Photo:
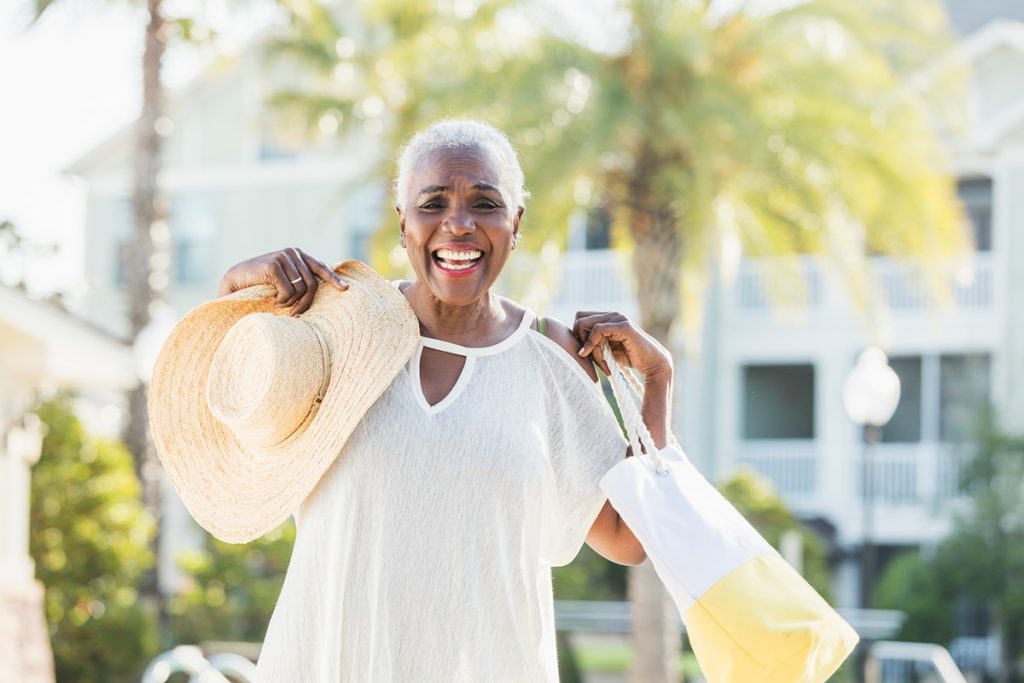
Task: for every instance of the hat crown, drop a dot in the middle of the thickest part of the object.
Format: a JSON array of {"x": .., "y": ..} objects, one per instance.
[{"x": 267, "y": 378}]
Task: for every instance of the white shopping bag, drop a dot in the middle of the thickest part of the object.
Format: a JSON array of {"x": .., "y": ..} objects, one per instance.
[{"x": 750, "y": 617}]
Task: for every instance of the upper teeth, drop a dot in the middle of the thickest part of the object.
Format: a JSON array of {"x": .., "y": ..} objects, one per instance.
[{"x": 452, "y": 255}]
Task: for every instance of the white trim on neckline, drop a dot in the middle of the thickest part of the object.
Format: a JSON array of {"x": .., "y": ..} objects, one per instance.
[{"x": 459, "y": 350}]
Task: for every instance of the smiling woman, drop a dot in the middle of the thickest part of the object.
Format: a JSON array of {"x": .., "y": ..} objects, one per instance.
[
  {"x": 457, "y": 225},
  {"x": 424, "y": 553}
]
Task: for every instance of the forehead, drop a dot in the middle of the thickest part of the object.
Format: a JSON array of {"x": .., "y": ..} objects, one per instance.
[{"x": 442, "y": 166}]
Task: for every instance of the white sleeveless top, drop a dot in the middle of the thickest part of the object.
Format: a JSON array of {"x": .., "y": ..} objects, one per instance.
[{"x": 424, "y": 553}]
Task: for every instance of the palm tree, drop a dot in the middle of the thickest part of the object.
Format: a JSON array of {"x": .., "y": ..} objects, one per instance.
[{"x": 790, "y": 130}]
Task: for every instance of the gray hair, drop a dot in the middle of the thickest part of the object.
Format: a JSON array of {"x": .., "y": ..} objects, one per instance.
[{"x": 462, "y": 135}]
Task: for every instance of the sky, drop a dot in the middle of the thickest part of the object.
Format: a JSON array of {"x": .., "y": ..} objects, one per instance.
[{"x": 66, "y": 84}]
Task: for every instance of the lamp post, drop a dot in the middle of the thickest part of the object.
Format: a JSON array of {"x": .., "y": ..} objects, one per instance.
[{"x": 870, "y": 396}]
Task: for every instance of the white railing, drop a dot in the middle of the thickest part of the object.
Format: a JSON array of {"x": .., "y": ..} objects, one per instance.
[
  {"x": 901, "y": 474},
  {"x": 768, "y": 284},
  {"x": 790, "y": 465},
  {"x": 904, "y": 283},
  {"x": 595, "y": 280},
  {"x": 189, "y": 659},
  {"x": 895, "y": 470},
  {"x": 913, "y": 473},
  {"x": 908, "y": 657},
  {"x": 604, "y": 280},
  {"x": 765, "y": 285}
]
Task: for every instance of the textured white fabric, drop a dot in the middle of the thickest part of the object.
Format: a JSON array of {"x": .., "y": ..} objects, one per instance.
[{"x": 424, "y": 553}]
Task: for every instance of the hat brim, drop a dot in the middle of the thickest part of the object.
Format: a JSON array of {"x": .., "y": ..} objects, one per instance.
[{"x": 236, "y": 493}]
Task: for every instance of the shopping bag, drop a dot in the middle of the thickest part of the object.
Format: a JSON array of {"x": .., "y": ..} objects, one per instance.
[{"x": 750, "y": 617}]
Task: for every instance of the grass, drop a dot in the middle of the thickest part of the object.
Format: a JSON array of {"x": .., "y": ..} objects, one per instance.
[{"x": 615, "y": 658}]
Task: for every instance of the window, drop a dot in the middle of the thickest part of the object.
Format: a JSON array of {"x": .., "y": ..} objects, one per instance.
[
  {"x": 363, "y": 208},
  {"x": 905, "y": 425},
  {"x": 590, "y": 229},
  {"x": 599, "y": 228},
  {"x": 963, "y": 392},
  {"x": 778, "y": 401},
  {"x": 976, "y": 195},
  {"x": 193, "y": 227}
]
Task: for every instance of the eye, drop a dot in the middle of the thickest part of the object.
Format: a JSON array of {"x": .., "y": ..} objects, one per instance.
[
  {"x": 486, "y": 204},
  {"x": 432, "y": 205}
]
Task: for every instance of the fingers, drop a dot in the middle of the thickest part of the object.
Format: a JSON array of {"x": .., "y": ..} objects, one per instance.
[
  {"x": 324, "y": 272},
  {"x": 281, "y": 280},
  {"x": 297, "y": 275},
  {"x": 287, "y": 279},
  {"x": 592, "y": 329},
  {"x": 306, "y": 288},
  {"x": 310, "y": 268}
]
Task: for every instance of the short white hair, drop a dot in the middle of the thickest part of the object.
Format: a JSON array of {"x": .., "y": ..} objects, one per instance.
[{"x": 462, "y": 135}]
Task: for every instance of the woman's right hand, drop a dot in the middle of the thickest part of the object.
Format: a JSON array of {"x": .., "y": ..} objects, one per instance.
[{"x": 291, "y": 271}]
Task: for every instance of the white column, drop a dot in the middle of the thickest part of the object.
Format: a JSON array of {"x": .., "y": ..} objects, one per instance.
[
  {"x": 19, "y": 450},
  {"x": 24, "y": 647},
  {"x": 836, "y": 438}
]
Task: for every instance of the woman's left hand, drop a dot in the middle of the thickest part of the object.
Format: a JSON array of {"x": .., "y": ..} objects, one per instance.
[{"x": 630, "y": 345}]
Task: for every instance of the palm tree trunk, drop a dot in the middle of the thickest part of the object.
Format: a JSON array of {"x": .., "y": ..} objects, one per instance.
[
  {"x": 147, "y": 208},
  {"x": 657, "y": 262}
]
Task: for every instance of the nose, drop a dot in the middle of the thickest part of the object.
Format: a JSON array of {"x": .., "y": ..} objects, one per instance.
[{"x": 459, "y": 221}]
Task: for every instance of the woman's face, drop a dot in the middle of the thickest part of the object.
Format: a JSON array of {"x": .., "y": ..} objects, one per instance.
[{"x": 457, "y": 224}]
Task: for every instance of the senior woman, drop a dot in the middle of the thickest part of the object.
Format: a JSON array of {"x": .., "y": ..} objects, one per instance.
[{"x": 424, "y": 553}]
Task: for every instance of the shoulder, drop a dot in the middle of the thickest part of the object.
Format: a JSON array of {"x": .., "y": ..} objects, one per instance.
[{"x": 559, "y": 333}]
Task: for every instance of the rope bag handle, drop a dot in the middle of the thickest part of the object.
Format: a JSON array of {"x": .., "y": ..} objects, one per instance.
[{"x": 622, "y": 381}]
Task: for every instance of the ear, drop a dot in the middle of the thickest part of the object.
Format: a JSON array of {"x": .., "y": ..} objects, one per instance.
[
  {"x": 515, "y": 226},
  {"x": 401, "y": 226}
]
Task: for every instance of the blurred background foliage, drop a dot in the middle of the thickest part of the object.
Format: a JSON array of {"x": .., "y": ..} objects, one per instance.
[
  {"x": 976, "y": 575},
  {"x": 232, "y": 589},
  {"x": 89, "y": 539}
]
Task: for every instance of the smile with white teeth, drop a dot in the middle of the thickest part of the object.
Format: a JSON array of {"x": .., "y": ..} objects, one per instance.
[{"x": 460, "y": 259}]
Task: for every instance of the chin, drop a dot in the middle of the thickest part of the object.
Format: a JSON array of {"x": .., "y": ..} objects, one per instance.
[{"x": 456, "y": 293}]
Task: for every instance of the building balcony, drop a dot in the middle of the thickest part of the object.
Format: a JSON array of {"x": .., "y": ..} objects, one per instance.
[
  {"x": 596, "y": 280},
  {"x": 765, "y": 290},
  {"x": 781, "y": 291},
  {"x": 918, "y": 474}
]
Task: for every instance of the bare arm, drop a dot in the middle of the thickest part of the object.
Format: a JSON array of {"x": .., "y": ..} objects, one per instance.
[{"x": 608, "y": 535}]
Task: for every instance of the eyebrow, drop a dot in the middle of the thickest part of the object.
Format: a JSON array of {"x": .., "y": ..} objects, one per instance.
[{"x": 434, "y": 189}]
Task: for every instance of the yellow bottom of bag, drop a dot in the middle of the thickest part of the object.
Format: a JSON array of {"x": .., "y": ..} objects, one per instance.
[{"x": 763, "y": 623}]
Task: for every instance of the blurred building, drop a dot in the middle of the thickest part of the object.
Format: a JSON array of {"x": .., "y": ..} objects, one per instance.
[
  {"x": 40, "y": 347},
  {"x": 968, "y": 16},
  {"x": 239, "y": 182},
  {"x": 780, "y": 337}
]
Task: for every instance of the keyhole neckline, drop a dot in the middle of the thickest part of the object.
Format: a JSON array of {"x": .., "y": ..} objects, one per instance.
[
  {"x": 468, "y": 351},
  {"x": 471, "y": 353}
]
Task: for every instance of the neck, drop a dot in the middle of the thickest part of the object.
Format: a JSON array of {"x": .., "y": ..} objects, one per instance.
[{"x": 473, "y": 324}]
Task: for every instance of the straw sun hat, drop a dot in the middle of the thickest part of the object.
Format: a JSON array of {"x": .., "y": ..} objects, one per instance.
[{"x": 249, "y": 407}]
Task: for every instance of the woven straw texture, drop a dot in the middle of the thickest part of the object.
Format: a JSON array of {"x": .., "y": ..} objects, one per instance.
[{"x": 239, "y": 493}]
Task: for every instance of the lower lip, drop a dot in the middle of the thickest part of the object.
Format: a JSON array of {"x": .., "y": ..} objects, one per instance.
[{"x": 465, "y": 272}]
